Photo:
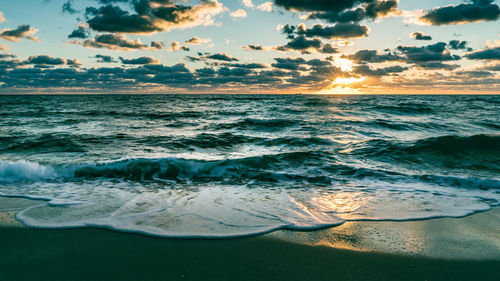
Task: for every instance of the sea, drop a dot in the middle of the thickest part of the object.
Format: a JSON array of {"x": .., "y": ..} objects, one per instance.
[{"x": 221, "y": 166}]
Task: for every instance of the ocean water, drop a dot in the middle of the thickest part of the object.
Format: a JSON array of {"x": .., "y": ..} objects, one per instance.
[{"x": 235, "y": 165}]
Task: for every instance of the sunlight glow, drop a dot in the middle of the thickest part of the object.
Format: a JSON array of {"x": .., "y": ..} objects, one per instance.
[
  {"x": 344, "y": 64},
  {"x": 347, "y": 81}
]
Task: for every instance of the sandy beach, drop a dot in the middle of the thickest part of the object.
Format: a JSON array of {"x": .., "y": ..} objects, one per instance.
[{"x": 416, "y": 250}]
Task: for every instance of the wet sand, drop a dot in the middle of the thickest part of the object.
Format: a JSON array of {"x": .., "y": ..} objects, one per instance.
[
  {"x": 96, "y": 254},
  {"x": 439, "y": 249}
]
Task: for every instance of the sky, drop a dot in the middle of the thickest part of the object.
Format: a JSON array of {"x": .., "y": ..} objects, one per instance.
[{"x": 250, "y": 46}]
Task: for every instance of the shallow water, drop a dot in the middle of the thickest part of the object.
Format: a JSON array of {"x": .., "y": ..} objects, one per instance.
[{"x": 233, "y": 165}]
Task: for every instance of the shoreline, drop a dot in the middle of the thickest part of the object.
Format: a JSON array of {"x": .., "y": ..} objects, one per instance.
[
  {"x": 465, "y": 248},
  {"x": 473, "y": 237}
]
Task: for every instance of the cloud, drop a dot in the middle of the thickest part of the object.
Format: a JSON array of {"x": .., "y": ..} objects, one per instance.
[
  {"x": 4, "y": 47},
  {"x": 247, "y": 3},
  {"x": 304, "y": 45},
  {"x": 240, "y": 13},
  {"x": 21, "y": 31},
  {"x": 2, "y": 18},
  {"x": 420, "y": 36},
  {"x": 175, "y": 46},
  {"x": 6, "y": 56},
  {"x": 434, "y": 52},
  {"x": 475, "y": 11},
  {"x": 221, "y": 57},
  {"x": 49, "y": 61},
  {"x": 116, "y": 42},
  {"x": 436, "y": 65},
  {"x": 252, "y": 47},
  {"x": 485, "y": 54},
  {"x": 365, "y": 70},
  {"x": 491, "y": 67},
  {"x": 266, "y": 7},
  {"x": 373, "y": 56},
  {"x": 156, "y": 45},
  {"x": 474, "y": 73},
  {"x": 141, "y": 60},
  {"x": 341, "y": 11},
  {"x": 339, "y": 30},
  {"x": 42, "y": 59},
  {"x": 104, "y": 59},
  {"x": 67, "y": 7},
  {"x": 459, "y": 45},
  {"x": 152, "y": 16},
  {"x": 289, "y": 63},
  {"x": 81, "y": 32},
  {"x": 196, "y": 41},
  {"x": 248, "y": 65}
]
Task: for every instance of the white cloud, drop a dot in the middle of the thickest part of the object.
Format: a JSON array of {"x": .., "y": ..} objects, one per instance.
[
  {"x": 239, "y": 14},
  {"x": 196, "y": 40},
  {"x": 266, "y": 7},
  {"x": 247, "y": 3}
]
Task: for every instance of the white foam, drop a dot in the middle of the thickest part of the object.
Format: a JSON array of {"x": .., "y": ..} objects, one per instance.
[{"x": 25, "y": 170}]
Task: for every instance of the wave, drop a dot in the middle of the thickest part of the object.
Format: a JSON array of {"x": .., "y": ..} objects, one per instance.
[
  {"x": 404, "y": 108},
  {"x": 266, "y": 168},
  {"x": 257, "y": 124},
  {"x": 471, "y": 152},
  {"x": 229, "y": 140},
  {"x": 46, "y": 143}
]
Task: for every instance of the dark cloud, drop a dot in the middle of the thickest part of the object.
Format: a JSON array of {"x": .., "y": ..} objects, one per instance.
[
  {"x": 329, "y": 49},
  {"x": 141, "y": 60},
  {"x": 314, "y": 74},
  {"x": 341, "y": 11},
  {"x": 81, "y": 32},
  {"x": 373, "y": 56},
  {"x": 221, "y": 57},
  {"x": 420, "y": 36},
  {"x": 476, "y": 10},
  {"x": 38, "y": 61},
  {"x": 289, "y": 63},
  {"x": 248, "y": 65},
  {"x": 114, "y": 42},
  {"x": 113, "y": 19},
  {"x": 42, "y": 59},
  {"x": 104, "y": 59},
  {"x": 434, "y": 52},
  {"x": 301, "y": 44},
  {"x": 21, "y": 31},
  {"x": 67, "y": 7},
  {"x": 485, "y": 54},
  {"x": 305, "y": 45},
  {"x": 7, "y": 56},
  {"x": 254, "y": 47},
  {"x": 437, "y": 66},
  {"x": 459, "y": 45},
  {"x": 365, "y": 70},
  {"x": 339, "y": 30},
  {"x": 475, "y": 73},
  {"x": 157, "y": 45},
  {"x": 151, "y": 16}
]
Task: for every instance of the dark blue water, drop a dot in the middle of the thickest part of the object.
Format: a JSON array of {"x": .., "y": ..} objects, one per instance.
[{"x": 232, "y": 165}]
